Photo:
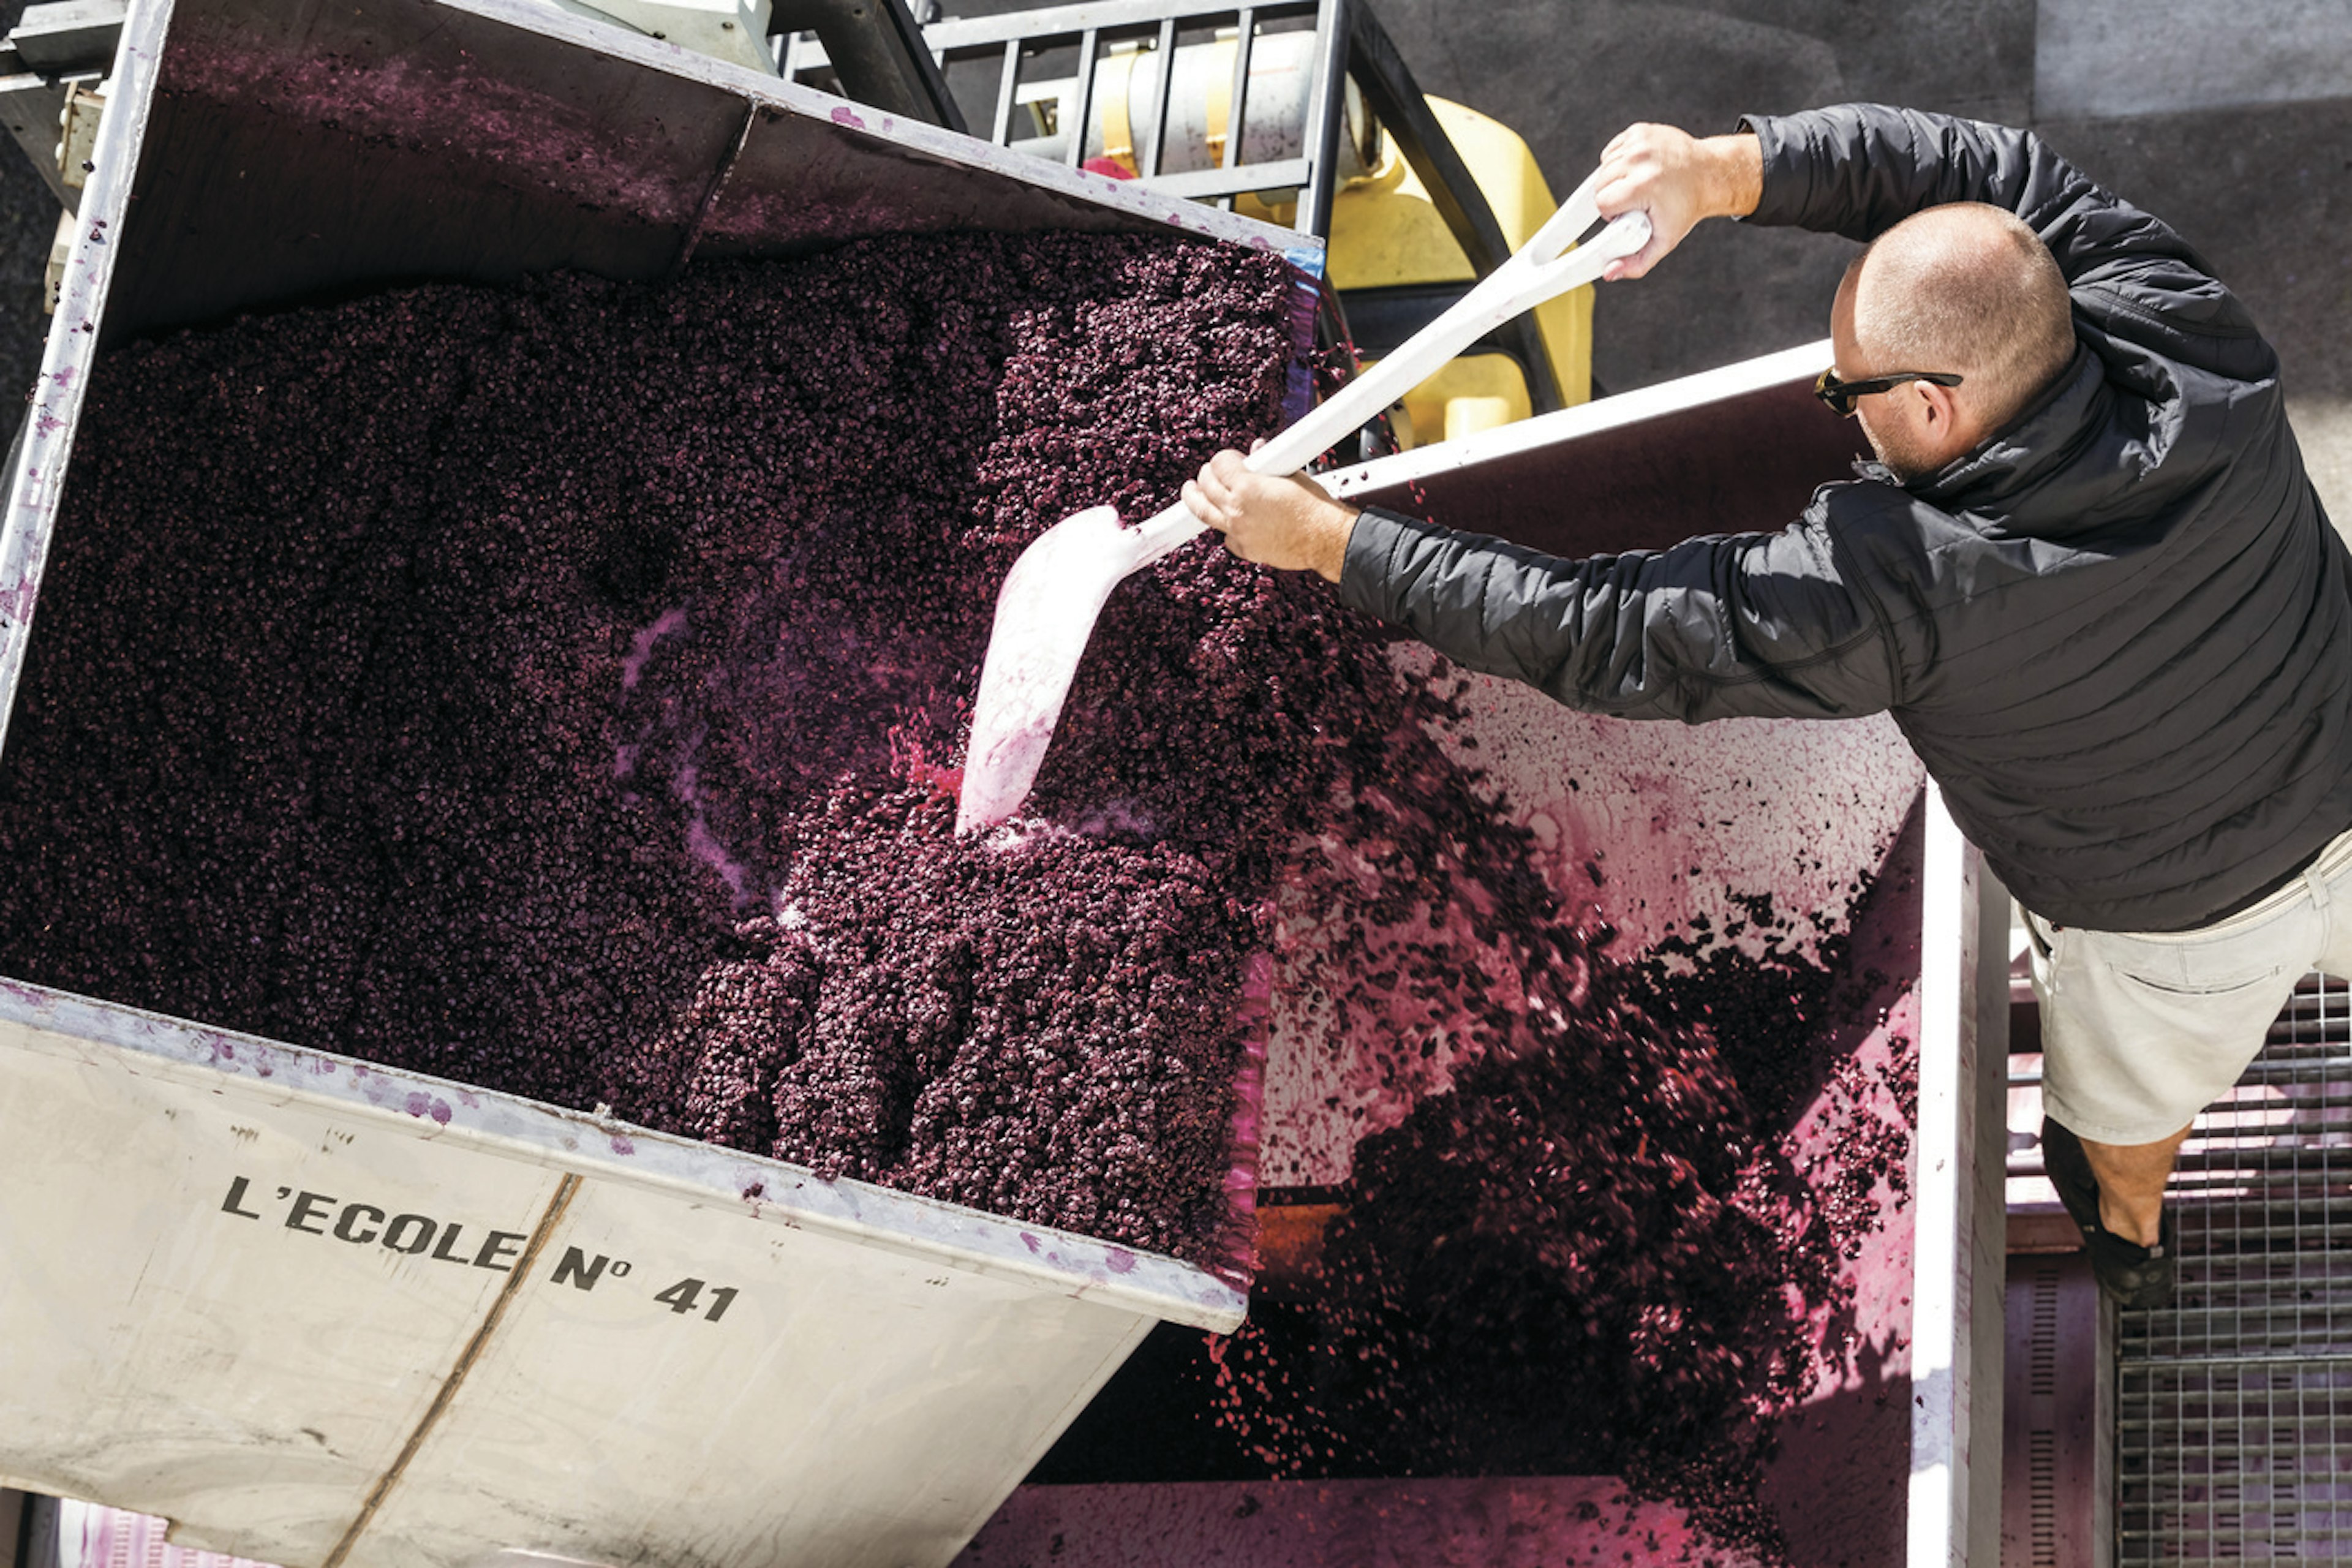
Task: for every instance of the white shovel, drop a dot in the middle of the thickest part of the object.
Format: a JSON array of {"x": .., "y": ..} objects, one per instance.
[{"x": 1047, "y": 609}]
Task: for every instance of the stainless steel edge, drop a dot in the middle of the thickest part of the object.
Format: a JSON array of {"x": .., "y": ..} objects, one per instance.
[{"x": 37, "y": 479}]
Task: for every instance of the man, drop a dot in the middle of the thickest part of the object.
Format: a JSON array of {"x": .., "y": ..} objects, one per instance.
[{"x": 2087, "y": 574}]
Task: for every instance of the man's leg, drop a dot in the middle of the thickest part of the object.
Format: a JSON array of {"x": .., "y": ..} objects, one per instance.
[
  {"x": 2140, "y": 1033},
  {"x": 2137, "y": 1273},
  {"x": 2131, "y": 1184}
]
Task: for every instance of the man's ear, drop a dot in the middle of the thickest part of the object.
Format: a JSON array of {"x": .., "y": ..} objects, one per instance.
[{"x": 1940, "y": 408}]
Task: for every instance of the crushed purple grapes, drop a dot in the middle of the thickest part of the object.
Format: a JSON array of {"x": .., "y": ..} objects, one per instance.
[{"x": 556, "y": 688}]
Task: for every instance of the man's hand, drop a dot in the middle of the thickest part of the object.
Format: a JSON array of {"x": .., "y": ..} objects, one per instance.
[
  {"x": 1678, "y": 180},
  {"x": 1291, "y": 524}
]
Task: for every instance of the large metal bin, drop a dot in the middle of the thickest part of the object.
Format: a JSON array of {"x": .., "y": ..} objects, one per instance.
[
  {"x": 1659, "y": 831},
  {"x": 319, "y": 1313}
]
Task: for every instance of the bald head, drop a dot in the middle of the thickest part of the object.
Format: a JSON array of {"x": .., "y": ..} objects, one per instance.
[{"x": 1966, "y": 287}]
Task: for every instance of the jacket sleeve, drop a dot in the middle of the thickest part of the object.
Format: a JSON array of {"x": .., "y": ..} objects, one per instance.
[
  {"x": 1754, "y": 625},
  {"x": 1858, "y": 169}
]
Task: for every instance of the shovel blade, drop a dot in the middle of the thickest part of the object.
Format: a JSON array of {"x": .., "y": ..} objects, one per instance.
[{"x": 1045, "y": 614}]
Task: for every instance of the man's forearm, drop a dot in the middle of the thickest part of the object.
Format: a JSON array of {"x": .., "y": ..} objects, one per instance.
[
  {"x": 1735, "y": 166},
  {"x": 1745, "y": 626}
]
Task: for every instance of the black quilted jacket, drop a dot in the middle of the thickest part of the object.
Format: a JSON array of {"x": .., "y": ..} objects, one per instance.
[{"x": 2118, "y": 633}]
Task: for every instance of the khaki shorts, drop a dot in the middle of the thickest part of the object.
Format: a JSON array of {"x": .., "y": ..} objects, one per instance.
[{"x": 2142, "y": 1031}]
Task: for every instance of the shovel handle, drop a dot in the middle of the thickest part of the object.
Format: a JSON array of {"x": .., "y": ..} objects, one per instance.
[{"x": 1543, "y": 269}]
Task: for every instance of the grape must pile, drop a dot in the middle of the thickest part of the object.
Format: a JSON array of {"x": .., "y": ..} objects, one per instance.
[
  {"x": 547, "y": 687},
  {"x": 556, "y": 688}
]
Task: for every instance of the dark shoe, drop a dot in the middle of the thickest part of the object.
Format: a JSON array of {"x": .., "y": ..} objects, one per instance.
[{"x": 2138, "y": 1276}]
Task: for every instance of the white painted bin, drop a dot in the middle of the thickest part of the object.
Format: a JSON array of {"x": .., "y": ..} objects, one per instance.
[{"x": 322, "y": 1314}]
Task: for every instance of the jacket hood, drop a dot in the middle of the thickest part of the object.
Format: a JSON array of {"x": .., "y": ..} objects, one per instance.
[
  {"x": 2106, "y": 439},
  {"x": 2044, "y": 437}
]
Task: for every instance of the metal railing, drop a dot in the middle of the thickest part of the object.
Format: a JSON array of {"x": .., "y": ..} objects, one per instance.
[{"x": 1073, "y": 43}]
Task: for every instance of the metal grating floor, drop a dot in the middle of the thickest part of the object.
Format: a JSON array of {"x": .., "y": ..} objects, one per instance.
[{"x": 2234, "y": 1404}]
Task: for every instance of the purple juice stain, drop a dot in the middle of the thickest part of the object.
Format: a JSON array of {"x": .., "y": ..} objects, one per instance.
[
  {"x": 429, "y": 1107},
  {"x": 641, "y": 647}
]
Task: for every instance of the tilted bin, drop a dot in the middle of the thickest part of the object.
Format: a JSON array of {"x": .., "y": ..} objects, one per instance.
[{"x": 317, "y": 1312}]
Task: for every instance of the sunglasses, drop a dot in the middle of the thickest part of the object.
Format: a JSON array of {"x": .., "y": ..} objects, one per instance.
[{"x": 1840, "y": 395}]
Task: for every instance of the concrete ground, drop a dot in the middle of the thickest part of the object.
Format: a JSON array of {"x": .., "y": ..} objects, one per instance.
[{"x": 2235, "y": 123}]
